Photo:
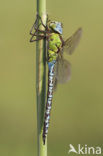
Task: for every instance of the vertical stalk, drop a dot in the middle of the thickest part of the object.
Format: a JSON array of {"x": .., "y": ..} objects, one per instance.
[{"x": 41, "y": 80}]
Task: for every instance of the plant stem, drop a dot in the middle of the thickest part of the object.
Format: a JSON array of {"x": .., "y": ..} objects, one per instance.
[{"x": 41, "y": 80}]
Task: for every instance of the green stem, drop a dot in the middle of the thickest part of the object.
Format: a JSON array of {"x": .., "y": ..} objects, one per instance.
[{"x": 41, "y": 80}]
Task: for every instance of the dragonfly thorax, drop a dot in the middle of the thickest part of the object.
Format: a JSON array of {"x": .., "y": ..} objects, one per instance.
[
  {"x": 56, "y": 26},
  {"x": 54, "y": 45}
]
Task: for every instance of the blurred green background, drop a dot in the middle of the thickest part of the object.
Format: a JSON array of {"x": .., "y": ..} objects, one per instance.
[{"x": 77, "y": 114}]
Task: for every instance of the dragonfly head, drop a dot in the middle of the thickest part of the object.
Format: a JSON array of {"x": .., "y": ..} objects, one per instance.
[{"x": 56, "y": 26}]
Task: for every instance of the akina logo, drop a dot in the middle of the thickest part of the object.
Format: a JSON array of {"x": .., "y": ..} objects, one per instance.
[{"x": 85, "y": 150}]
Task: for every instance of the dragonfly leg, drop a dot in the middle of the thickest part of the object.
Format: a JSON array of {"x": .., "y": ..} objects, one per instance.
[
  {"x": 36, "y": 31},
  {"x": 36, "y": 26},
  {"x": 39, "y": 37},
  {"x": 48, "y": 20},
  {"x": 45, "y": 26},
  {"x": 40, "y": 34}
]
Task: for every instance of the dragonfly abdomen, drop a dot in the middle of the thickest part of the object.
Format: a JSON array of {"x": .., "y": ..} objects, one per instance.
[{"x": 49, "y": 99}]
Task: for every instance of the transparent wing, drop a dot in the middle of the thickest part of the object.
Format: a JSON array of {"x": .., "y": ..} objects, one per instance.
[
  {"x": 62, "y": 71},
  {"x": 55, "y": 84},
  {"x": 62, "y": 66},
  {"x": 71, "y": 43}
]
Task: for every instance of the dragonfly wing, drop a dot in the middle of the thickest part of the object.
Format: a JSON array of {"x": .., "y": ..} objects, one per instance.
[
  {"x": 71, "y": 43},
  {"x": 55, "y": 83},
  {"x": 63, "y": 71}
]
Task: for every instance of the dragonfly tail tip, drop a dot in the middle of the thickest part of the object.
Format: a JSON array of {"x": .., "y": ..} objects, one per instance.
[{"x": 44, "y": 137}]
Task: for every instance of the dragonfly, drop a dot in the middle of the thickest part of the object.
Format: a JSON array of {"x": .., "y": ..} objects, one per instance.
[{"x": 59, "y": 69}]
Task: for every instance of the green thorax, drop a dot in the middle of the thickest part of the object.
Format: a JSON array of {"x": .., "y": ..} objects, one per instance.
[{"x": 54, "y": 44}]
